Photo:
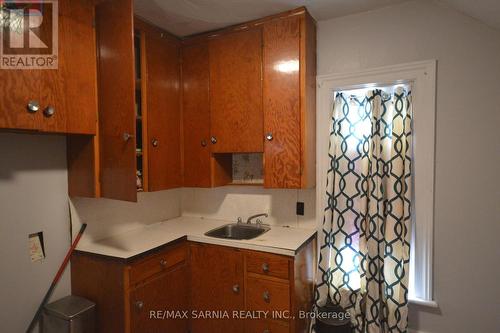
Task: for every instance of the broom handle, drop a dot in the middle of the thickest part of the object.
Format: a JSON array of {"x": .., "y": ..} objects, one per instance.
[{"x": 56, "y": 278}]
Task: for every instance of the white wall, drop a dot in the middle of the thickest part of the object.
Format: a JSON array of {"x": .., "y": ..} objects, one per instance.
[
  {"x": 33, "y": 198},
  {"x": 467, "y": 214}
]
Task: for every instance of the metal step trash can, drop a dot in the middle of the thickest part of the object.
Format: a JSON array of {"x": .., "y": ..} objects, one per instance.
[
  {"x": 332, "y": 318},
  {"x": 71, "y": 314}
]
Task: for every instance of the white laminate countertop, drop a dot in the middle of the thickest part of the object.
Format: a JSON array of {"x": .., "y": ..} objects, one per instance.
[{"x": 278, "y": 240}]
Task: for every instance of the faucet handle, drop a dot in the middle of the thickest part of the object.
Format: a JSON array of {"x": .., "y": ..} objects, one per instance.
[{"x": 239, "y": 219}]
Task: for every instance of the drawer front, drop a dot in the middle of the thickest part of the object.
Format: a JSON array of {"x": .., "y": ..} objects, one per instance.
[
  {"x": 266, "y": 326},
  {"x": 266, "y": 295},
  {"x": 157, "y": 263},
  {"x": 268, "y": 264}
]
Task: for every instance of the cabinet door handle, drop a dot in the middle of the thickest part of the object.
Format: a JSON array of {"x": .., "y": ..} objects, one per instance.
[
  {"x": 266, "y": 296},
  {"x": 269, "y": 136},
  {"x": 265, "y": 267},
  {"x": 213, "y": 139},
  {"x": 33, "y": 106},
  {"x": 163, "y": 263},
  {"x": 49, "y": 111},
  {"x": 236, "y": 288},
  {"x": 127, "y": 136},
  {"x": 139, "y": 305},
  {"x": 155, "y": 142}
]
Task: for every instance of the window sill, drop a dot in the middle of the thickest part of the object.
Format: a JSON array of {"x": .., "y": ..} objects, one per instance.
[{"x": 423, "y": 302}]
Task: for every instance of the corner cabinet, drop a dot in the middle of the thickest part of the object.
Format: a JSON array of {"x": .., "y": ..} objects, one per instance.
[{"x": 253, "y": 89}]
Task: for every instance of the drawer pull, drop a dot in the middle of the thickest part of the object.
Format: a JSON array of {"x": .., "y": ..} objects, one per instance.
[
  {"x": 236, "y": 288},
  {"x": 266, "y": 296},
  {"x": 33, "y": 106},
  {"x": 265, "y": 267},
  {"x": 163, "y": 263},
  {"x": 139, "y": 305},
  {"x": 49, "y": 111}
]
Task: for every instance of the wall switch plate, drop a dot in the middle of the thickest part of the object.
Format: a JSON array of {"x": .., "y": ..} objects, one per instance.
[
  {"x": 300, "y": 208},
  {"x": 37, "y": 252}
]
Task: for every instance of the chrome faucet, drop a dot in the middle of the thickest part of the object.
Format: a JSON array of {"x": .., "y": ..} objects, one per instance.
[{"x": 259, "y": 221}]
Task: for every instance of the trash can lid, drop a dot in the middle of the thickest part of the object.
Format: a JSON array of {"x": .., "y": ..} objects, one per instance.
[{"x": 69, "y": 307}]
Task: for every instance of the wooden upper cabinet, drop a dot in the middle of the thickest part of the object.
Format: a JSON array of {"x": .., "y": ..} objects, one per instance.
[
  {"x": 236, "y": 91},
  {"x": 196, "y": 115},
  {"x": 114, "y": 23},
  {"x": 289, "y": 101},
  {"x": 77, "y": 74},
  {"x": 163, "y": 115},
  {"x": 282, "y": 103},
  {"x": 70, "y": 90}
]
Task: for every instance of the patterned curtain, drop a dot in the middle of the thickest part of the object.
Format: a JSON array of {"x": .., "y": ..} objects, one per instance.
[{"x": 365, "y": 241}]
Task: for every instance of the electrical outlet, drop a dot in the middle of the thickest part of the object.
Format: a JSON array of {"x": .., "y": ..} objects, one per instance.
[{"x": 300, "y": 208}]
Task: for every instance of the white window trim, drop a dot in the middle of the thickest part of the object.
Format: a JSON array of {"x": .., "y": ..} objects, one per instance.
[{"x": 422, "y": 76}]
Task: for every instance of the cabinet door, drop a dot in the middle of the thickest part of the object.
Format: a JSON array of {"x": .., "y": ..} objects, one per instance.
[
  {"x": 196, "y": 115},
  {"x": 216, "y": 285},
  {"x": 282, "y": 114},
  {"x": 236, "y": 91},
  {"x": 114, "y": 25},
  {"x": 163, "y": 112},
  {"x": 148, "y": 303},
  {"x": 75, "y": 85},
  {"x": 17, "y": 89}
]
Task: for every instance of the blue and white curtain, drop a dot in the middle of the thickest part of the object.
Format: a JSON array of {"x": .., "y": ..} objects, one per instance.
[{"x": 365, "y": 237}]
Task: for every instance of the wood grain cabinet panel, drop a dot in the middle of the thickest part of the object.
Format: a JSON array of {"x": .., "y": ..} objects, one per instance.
[
  {"x": 114, "y": 23},
  {"x": 217, "y": 284},
  {"x": 70, "y": 90},
  {"x": 163, "y": 111},
  {"x": 148, "y": 303},
  {"x": 289, "y": 101},
  {"x": 282, "y": 103},
  {"x": 236, "y": 91},
  {"x": 196, "y": 115}
]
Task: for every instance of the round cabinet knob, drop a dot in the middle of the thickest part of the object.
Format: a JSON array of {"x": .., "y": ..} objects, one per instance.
[
  {"x": 266, "y": 296},
  {"x": 163, "y": 263},
  {"x": 33, "y": 106},
  {"x": 127, "y": 136},
  {"x": 265, "y": 267},
  {"x": 269, "y": 136},
  {"x": 236, "y": 288},
  {"x": 213, "y": 139},
  {"x": 49, "y": 111},
  {"x": 139, "y": 305},
  {"x": 203, "y": 143},
  {"x": 155, "y": 142}
]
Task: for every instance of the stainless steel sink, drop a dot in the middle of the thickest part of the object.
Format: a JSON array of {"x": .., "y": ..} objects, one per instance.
[{"x": 238, "y": 231}]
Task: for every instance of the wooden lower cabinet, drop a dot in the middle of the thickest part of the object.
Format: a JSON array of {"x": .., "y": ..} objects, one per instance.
[
  {"x": 153, "y": 301},
  {"x": 192, "y": 287}
]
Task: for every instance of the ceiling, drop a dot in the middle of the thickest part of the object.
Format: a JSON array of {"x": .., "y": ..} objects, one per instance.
[{"x": 187, "y": 17}]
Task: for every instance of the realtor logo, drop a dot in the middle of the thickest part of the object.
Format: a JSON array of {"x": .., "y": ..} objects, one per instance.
[{"x": 29, "y": 34}]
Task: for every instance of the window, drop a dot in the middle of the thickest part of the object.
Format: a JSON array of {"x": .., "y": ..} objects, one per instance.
[{"x": 422, "y": 78}]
